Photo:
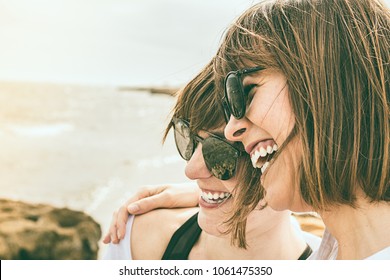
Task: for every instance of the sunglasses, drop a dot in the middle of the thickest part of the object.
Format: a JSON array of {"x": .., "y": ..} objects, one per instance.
[
  {"x": 235, "y": 96},
  {"x": 220, "y": 156}
]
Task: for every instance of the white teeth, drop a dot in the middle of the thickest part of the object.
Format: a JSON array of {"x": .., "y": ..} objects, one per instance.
[
  {"x": 256, "y": 155},
  {"x": 215, "y": 198},
  {"x": 255, "y": 158},
  {"x": 263, "y": 152},
  {"x": 264, "y": 167}
]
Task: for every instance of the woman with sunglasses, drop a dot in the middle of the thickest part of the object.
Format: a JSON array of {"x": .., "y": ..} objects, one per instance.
[
  {"x": 199, "y": 233},
  {"x": 313, "y": 77}
]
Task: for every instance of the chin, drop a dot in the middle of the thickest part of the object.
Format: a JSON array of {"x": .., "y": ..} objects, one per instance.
[
  {"x": 277, "y": 202},
  {"x": 282, "y": 202},
  {"x": 211, "y": 221},
  {"x": 209, "y": 226}
]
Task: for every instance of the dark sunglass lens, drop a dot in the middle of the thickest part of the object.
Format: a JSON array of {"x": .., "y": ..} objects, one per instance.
[
  {"x": 184, "y": 142},
  {"x": 220, "y": 158},
  {"x": 234, "y": 95},
  {"x": 226, "y": 110}
]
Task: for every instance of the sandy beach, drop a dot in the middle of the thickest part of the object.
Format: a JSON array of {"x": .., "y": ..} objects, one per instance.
[{"x": 86, "y": 148}]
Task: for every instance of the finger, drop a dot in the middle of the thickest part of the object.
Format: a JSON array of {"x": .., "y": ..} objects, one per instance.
[
  {"x": 147, "y": 191},
  {"x": 113, "y": 229},
  {"x": 148, "y": 204},
  {"x": 144, "y": 192},
  {"x": 121, "y": 221},
  {"x": 133, "y": 205},
  {"x": 107, "y": 239},
  {"x": 166, "y": 196}
]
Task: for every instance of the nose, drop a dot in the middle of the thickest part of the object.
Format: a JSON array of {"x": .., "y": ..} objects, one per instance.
[
  {"x": 196, "y": 167},
  {"x": 235, "y": 129}
]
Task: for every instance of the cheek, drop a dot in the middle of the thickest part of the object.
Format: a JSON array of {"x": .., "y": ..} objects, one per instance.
[
  {"x": 272, "y": 114},
  {"x": 281, "y": 180},
  {"x": 230, "y": 184},
  {"x": 196, "y": 167}
]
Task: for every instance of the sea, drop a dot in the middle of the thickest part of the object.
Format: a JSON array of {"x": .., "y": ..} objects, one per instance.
[{"x": 70, "y": 135}]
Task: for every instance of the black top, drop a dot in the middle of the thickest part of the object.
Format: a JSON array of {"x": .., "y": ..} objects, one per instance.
[
  {"x": 183, "y": 240},
  {"x": 185, "y": 237},
  {"x": 306, "y": 253}
]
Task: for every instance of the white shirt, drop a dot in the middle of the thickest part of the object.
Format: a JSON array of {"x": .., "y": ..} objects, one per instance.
[
  {"x": 329, "y": 248},
  {"x": 122, "y": 250}
]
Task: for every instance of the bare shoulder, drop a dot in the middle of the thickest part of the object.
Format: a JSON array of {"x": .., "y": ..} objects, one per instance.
[{"x": 152, "y": 231}]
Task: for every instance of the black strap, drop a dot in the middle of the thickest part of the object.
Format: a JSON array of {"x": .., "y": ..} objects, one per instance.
[
  {"x": 306, "y": 253},
  {"x": 183, "y": 240},
  {"x": 186, "y": 236}
]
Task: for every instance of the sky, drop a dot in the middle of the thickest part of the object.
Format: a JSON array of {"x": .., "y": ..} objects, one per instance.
[{"x": 111, "y": 42}]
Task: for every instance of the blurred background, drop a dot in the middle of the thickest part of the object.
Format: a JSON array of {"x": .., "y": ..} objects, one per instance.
[
  {"x": 81, "y": 117},
  {"x": 111, "y": 42},
  {"x": 79, "y": 126}
]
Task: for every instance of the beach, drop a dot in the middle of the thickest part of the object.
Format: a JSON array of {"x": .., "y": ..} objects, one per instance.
[{"x": 83, "y": 147}]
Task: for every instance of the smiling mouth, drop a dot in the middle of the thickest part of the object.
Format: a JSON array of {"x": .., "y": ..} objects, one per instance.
[
  {"x": 215, "y": 197},
  {"x": 263, "y": 153}
]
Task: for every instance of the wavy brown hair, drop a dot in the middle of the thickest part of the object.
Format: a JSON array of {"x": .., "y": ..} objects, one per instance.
[
  {"x": 198, "y": 103},
  {"x": 335, "y": 55}
]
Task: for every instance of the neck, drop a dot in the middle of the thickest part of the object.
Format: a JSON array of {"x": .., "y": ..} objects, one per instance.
[
  {"x": 280, "y": 241},
  {"x": 361, "y": 231}
]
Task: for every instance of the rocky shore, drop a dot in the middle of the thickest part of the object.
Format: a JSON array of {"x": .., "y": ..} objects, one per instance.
[
  {"x": 86, "y": 148},
  {"x": 154, "y": 90},
  {"x": 66, "y": 148},
  {"x": 40, "y": 231}
]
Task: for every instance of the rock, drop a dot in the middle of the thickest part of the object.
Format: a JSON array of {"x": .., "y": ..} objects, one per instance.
[
  {"x": 43, "y": 232},
  {"x": 310, "y": 222}
]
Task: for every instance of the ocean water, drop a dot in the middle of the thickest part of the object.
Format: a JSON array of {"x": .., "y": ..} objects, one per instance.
[
  {"x": 71, "y": 138},
  {"x": 86, "y": 148},
  {"x": 89, "y": 147}
]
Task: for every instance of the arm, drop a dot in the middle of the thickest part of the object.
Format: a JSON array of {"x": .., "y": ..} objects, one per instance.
[
  {"x": 147, "y": 236},
  {"x": 149, "y": 198}
]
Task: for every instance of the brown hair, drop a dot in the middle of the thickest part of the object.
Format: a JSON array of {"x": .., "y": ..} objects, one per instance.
[
  {"x": 199, "y": 104},
  {"x": 335, "y": 55}
]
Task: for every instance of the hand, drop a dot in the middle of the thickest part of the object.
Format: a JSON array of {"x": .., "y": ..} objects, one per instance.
[{"x": 147, "y": 199}]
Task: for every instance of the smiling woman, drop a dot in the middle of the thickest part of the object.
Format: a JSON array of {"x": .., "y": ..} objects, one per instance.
[
  {"x": 277, "y": 121},
  {"x": 323, "y": 98},
  {"x": 201, "y": 233}
]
